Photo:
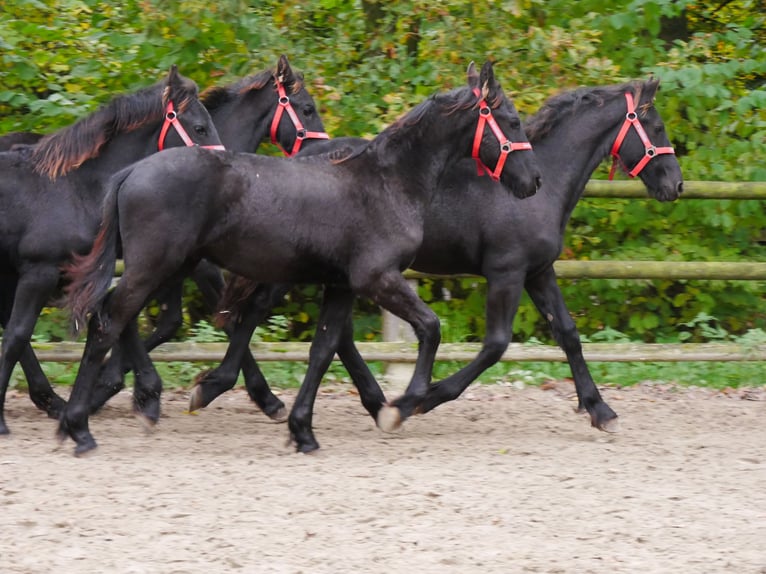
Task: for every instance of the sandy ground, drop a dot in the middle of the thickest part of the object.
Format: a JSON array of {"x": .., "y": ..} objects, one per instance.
[{"x": 503, "y": 480}]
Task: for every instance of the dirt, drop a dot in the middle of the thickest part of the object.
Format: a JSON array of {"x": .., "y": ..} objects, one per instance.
[{"x": 503, "y": 480}]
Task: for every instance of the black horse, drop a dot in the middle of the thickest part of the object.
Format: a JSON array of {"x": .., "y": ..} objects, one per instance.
[
  {"x": 470, "y": 228},
  {"x": 50, "y": 204},
  {"x": 272, "y": 105},
  {"x": 276, "y": 220}
]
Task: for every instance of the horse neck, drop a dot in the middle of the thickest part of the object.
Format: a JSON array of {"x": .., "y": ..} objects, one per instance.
[
  {"x": 243, "y": 123},
  {"x": 573, "y": 149},
  {"x": 418, "y": 154},
  {"x": 120, "y": 151}
]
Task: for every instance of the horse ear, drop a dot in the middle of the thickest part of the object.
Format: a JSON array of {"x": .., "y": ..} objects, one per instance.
[
  {"x": 650, "y": 87},
  {"x": 173, "y": 84},
  {"x": 487, "y": 80},
  {"x": 285, "y": 73},
  {"x": 473, "y": 76}
]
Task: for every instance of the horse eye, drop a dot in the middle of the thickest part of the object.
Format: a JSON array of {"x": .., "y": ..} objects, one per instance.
[
  {"x": 200, "y": 130},
  {"x": 308, "y": 110},
  {"x": 515, "y": 123}
]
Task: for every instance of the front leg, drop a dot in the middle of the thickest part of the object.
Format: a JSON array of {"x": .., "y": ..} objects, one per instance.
[
  {"x": 33, "y": 290},
  {"x": 503, "y": 296},
  {"x": 393, "y": 293},
  {"x": 213, "y": 383},
  {"x": 545, "y": 293}
]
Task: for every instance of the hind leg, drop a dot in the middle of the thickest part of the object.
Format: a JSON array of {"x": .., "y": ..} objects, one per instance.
[{"x": 333, "y": 316}]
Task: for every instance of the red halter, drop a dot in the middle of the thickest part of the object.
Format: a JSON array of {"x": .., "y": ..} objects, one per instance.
[
  {"x": 171, "y": 119},
  {"x": 300, "y": 132},
  {"x": 631, "y": 119},
  {"x": 506, "y": 145}
]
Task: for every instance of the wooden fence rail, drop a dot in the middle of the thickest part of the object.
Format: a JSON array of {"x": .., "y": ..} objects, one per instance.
[{"x": 404, "y": 352}]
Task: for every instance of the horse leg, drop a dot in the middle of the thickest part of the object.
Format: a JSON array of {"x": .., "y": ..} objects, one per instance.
[
  {"x": 546, "y": 295},
  {"x": 393, "y": 293},
  {"x": 210, "y": 283},
  {"x": 111, "y": 380},
  {"x": 40, "y": 390},
  {"x": 148, "y": 384},
  {"x": 171, "y": 315},
  {"x": 334, "y": 315},
  {"x": 33, "y": 290},
  {"x": 370, "y": 393},
  {"x": 213, "y": 383},
  {"x": 503, "y": 296},
  {"x": 104, "y": 330}
]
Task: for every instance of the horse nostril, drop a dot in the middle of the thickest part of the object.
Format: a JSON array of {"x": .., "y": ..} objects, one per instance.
[{"x": 538, "y": 181}]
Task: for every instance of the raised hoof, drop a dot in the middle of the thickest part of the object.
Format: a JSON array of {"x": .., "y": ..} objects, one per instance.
[
  {"x": 148, "y": 409},
  {"x": 147, "y": 423},
  {"x": 389, "y": 418},
  {"x": 56, "y": 408},
  {"x": 85, "y": 448},
  {"x": 195, "y": 399},
  {"x": 610, "y": 426},
  {"x": 279, "y": 416}
]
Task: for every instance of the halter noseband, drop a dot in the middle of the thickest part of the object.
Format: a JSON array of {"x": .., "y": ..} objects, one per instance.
[
  {"x": 300, "y": 132},
  {"x": 171, "y": 119},
  {"x": 650, "y": 151},
  {"x": 506, "y": 145}
]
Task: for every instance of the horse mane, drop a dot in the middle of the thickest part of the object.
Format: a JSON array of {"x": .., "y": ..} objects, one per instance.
[
  {"x": 450, "y": 103},
  {"x": 565, "y": 104},
  {"x": 215, "y": 97},
  {"x": 66, "y": 149}
]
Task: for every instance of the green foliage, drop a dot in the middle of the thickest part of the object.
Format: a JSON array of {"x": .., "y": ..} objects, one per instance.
[{"x": 367, "y": 62}]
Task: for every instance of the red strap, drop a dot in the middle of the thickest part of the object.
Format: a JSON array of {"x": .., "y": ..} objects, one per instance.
[
  {"x": 650, "y": 151},
  {"x": 171, "y": 119},
  {"x": 300, "y": 132},
  {"x": 506, "y": 145}
]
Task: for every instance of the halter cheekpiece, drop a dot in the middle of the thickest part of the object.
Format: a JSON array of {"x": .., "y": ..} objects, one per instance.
[
  {"x": 301, "y": 133},
  {"x": 171, "y": 119},
  {"x": 506, "y": 145},
  {"x": 650, "y": 151}
]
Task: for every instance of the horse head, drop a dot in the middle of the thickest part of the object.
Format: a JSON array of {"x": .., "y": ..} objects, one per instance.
[
  {"x": 642, "y": 147},
  {"x": 290, "y": 130},
  {"x": 186, "y": 114},
  {"x": 499, "y": 139}
]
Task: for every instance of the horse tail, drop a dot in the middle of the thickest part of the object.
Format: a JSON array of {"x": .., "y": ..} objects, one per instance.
[
  {"x": 231, "y": 306},
  {"x": 90, "y": 276}
]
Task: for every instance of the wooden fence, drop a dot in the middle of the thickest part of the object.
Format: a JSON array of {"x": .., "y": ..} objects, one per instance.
[{"x": 400, "y": 350}]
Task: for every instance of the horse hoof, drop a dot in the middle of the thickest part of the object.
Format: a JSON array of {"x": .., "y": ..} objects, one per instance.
[
  {"x": 389, "y": 418},
  {"x": 278, "y": 416},
  {"x": 85, "y": 448},
  {"x": 146, "y": 422},
  {"x": 147, "y": 410},
  {"x": 195, "y": 399},
  {"x": 610, "y": 426},
  {"x": 4, "y": 430},
  {"x": 307, "y": 448}
]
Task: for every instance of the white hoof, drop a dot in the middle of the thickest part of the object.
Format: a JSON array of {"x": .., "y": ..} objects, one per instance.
[{"x": 389, "y": 419}]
